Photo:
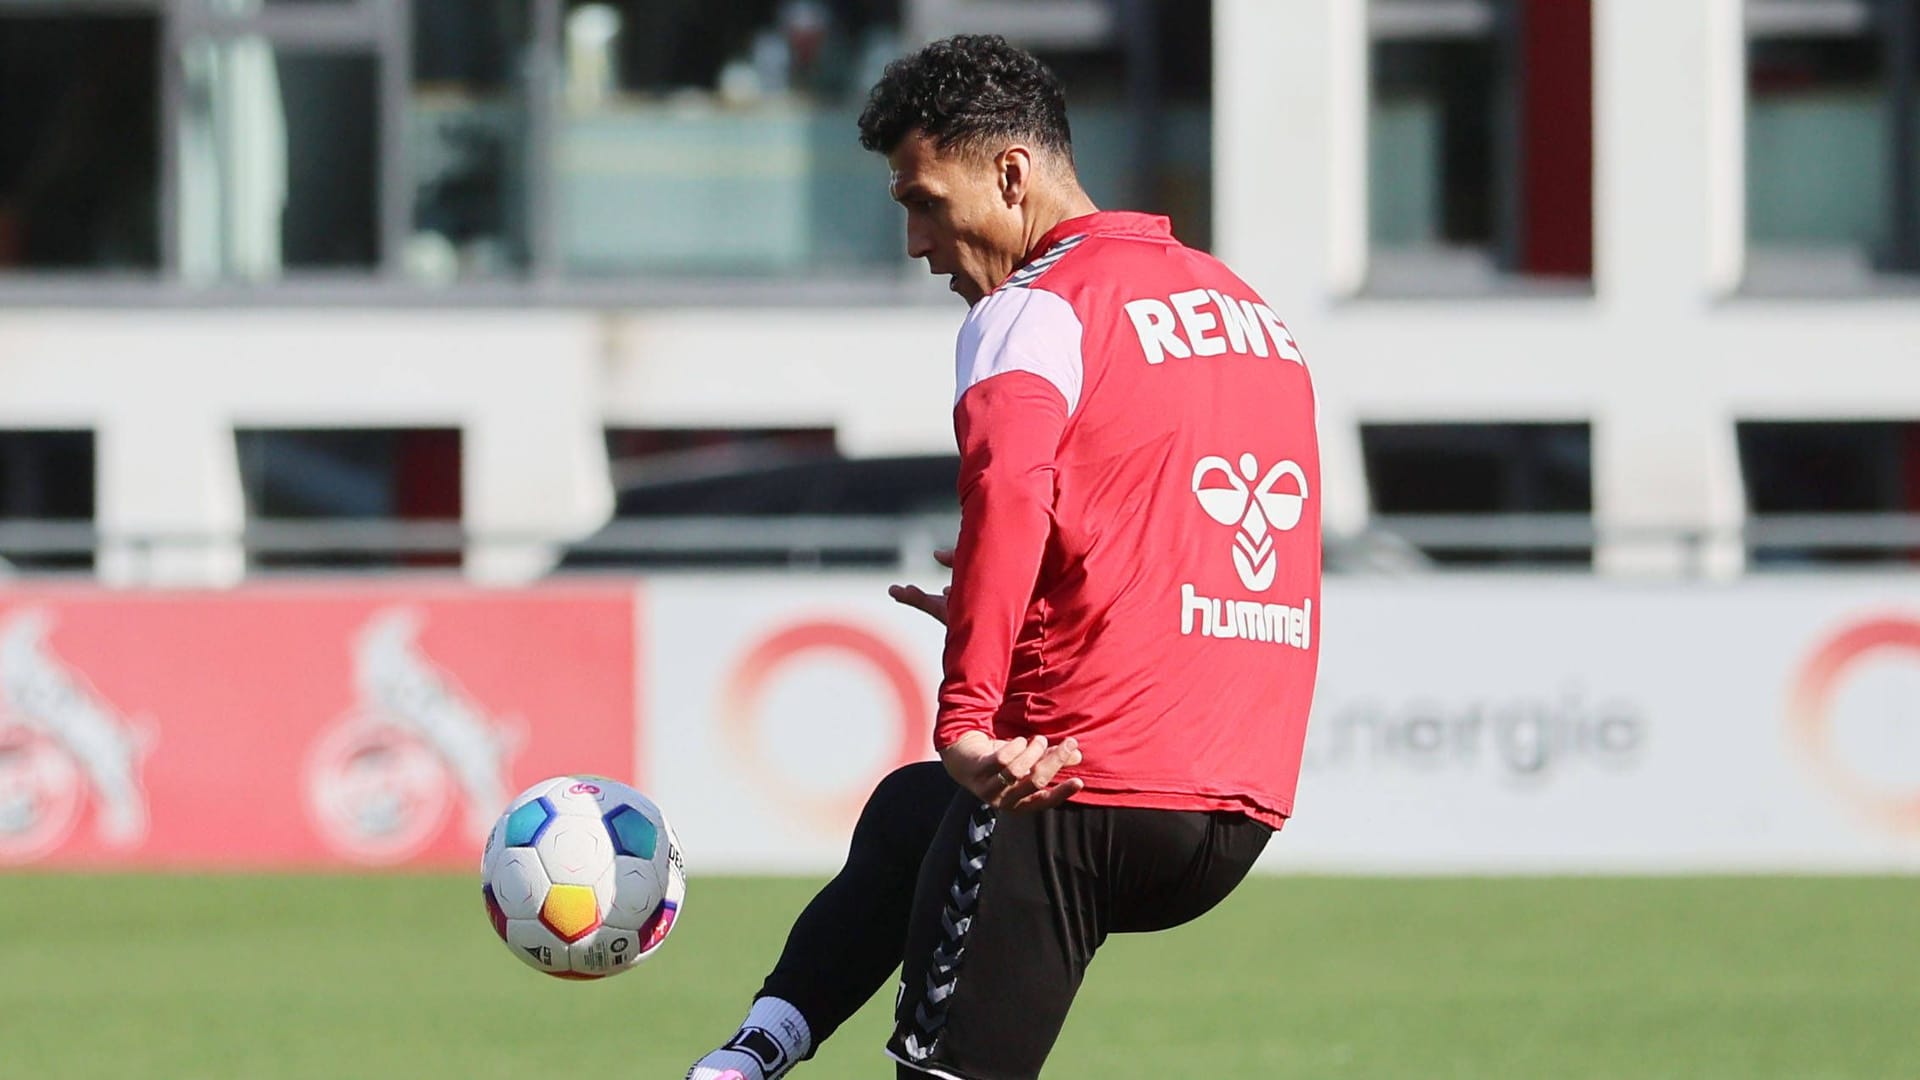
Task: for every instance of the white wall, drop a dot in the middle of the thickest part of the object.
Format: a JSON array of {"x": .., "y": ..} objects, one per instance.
[
  {"x": 1661, "y": 359},
  {"x": 164, "y": 391},
  {"x": 1460, "y": 724}
]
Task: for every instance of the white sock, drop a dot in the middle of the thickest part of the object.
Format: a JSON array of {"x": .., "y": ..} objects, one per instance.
[{"x": 768, "y": 1045}]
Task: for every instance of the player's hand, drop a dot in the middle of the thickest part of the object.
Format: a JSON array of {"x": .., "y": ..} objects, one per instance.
[
  {"x": 915, "y": 597},
  {"x": 1013, "y": 774}
]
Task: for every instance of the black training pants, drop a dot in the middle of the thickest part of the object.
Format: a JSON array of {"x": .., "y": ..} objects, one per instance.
[{"x": 995, "y": 915}]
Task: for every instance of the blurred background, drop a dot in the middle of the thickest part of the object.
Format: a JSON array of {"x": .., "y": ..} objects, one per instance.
[{"x": 404, "y": 400}]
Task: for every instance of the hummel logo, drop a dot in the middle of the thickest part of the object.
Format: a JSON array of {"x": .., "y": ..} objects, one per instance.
[{"x": 1255, "y": 509}]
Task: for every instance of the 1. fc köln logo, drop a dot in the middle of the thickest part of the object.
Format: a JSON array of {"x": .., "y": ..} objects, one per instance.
[
  {"x": 382, "y": 781},
  {"x": 1257, "y": 504},
  {"x": 62, "y": 743}
]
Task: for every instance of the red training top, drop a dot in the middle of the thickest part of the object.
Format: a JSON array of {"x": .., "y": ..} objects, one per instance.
[{"x": 1139, "y": 555}]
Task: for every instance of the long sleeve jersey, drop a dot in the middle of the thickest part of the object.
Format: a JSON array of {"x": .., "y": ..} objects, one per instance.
[{"x": 1139, "y": 555}]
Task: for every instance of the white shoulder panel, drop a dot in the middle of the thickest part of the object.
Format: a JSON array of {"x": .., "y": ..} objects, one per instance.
[{"x": 1019, "y": 329}]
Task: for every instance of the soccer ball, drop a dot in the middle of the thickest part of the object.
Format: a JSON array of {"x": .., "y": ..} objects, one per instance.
[{"x": 582, "y": 877}]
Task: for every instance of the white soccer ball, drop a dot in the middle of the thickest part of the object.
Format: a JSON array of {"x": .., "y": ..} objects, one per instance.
[{"x": 582, "y": 877}]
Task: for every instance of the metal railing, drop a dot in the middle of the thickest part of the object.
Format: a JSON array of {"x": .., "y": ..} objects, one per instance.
[{"x": 1391, "y": 544}]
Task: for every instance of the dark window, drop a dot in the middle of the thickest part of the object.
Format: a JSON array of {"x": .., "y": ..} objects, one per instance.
[
  {"x": 46, "y": 477},
  {"x": 1142, "y": 116},
  {"x": 79, "y": 142},
  {"x": 761, "y": 479},
  {"x": 279, "y": 160},
  {"x": 1807, "y": 468},
  {"x": 468, "y": 139},
  {"x": 1833, "y": 140},
  {"x": 357, "y": 476},
  {"x": 1466, "y": 470},
  {"x": 640, "y": 456},
  {"x": 681, "y": 113},
  {"x": 1481, "y": 141}
]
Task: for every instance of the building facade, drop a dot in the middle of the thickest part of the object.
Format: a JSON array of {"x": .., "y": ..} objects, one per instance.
[{"x": 1615, "y": 277}]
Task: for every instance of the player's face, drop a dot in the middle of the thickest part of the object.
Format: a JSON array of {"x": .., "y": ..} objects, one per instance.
[{"x": 960, "y": 217}]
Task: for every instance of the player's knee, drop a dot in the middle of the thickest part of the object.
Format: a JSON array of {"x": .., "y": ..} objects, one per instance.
[{"x": 906, "y": 804}]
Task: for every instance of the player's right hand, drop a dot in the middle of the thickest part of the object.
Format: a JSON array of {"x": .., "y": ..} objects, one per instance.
[
  {"x": 915, "y": 597},
  {"x": 1013, "y": 774}
]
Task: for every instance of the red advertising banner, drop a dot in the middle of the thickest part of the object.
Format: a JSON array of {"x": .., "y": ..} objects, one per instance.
[{"x": 299, "y": 726}]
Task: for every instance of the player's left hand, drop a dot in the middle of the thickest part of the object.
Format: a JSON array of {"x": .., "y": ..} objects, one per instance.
[
  {"x": 915, "y": 597},
  {"x": 1013, "y": 774}
]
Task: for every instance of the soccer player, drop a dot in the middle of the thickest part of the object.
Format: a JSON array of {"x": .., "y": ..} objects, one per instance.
[{"x": 1133, "y": 623}]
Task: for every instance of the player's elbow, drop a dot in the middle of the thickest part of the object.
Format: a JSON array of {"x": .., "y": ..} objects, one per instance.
[{"x": 1009, "y": 492}]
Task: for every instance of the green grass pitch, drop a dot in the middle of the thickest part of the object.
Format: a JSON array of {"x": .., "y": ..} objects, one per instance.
[{"x": 346, "y": 978}]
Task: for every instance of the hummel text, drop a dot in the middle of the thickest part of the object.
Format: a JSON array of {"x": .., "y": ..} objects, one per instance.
[{"x": 1248, "y": 620}]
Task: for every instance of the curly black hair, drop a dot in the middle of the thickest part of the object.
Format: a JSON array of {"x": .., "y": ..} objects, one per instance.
[{"x": 966, "y": 91}]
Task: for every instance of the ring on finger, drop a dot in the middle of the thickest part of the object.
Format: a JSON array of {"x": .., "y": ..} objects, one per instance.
[{"x": 1005, "y": 778}]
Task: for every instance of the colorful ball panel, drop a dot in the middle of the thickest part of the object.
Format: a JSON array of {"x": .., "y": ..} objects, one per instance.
[
  {"x": 654, "y": 933},
  {"x": 528, "y": 823},
  {"x": 494, "y": 915},
  {"x": 571, "y": 911},
  {"x": 633, "y": 833}
]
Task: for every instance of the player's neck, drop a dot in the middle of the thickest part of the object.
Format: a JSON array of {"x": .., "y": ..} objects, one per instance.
[{"x": 1050, "y": 209}]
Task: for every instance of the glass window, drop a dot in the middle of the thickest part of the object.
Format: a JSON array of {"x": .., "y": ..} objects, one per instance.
[
  {"x": 1141, "y": 106},
  {"x": 469, "y": 140},
  {"x": 1833, "y": 176},
  {"x": 79, "y": 141},
  {"x": 279, "y": 161},
  {"x": 1449, "y": 474},
  {"x": 763, "y": 494},
  {"x": 720, "y": 138},
  {"x": 681, "y": 116},
  {"x": 639, "y": 456},
  {"x": 362, "y": 476},
  {"x": 46, "y": 477},
  {"x": 452, "y": 140},
  {"x": 1806, "y": 469},
  {"x": 1480, "y": 143}
]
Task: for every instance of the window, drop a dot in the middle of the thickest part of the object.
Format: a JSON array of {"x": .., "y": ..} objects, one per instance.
[
  {"x": 285, "y": 143},
  {"x": 471, "y": 139},
  {"x": 642, "y": 458},
  {"x": 681, "y": 116},
  {"x": 1833, "y": 122},
  {"x": 1429, "y": 481},
  {"x": 1797, "y": 472},
  {"x": 764, "y": 497},
  {"x": 1480, "y": 143},
  {"x": 279, "y": 161},
  {"x": 335, "y": 144},
  {"x": 46, "y": 479},
  {"x": 719, "y": 139},
  {"x": 79, "y": 141},
  {"x": 1141, "y": 105},
  {"x": 357, "y": 139},
  {"x": 376, "y": 482}
]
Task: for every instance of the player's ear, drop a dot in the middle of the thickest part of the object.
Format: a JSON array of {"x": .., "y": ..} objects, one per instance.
[{"x": 1015, "y": 166}]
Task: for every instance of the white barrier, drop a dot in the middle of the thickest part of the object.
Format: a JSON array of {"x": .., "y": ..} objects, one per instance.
[
  {"x": 772, "y": 705},
  {"x": 1573, "y": 725},
  {"x": 1462, "y": 724}
]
